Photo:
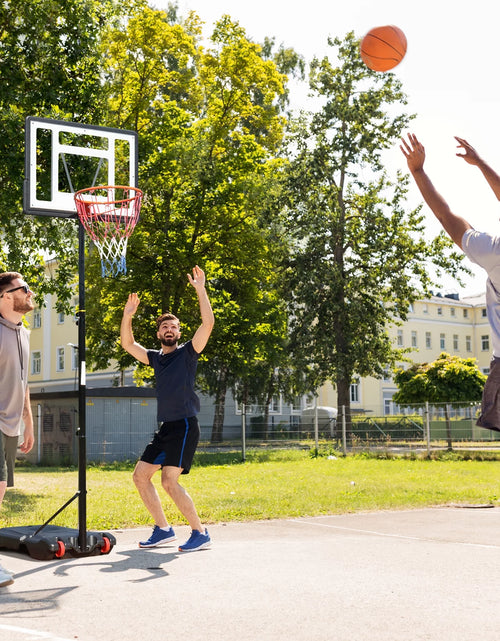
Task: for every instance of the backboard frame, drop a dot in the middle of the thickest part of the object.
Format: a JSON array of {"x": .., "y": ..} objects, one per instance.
[{"x": 61, "y": 203}]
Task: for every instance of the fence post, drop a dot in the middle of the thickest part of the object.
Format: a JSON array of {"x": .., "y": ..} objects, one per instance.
[
  {"x": 316, "y": 423},
  {"x": 344, "y": 433},
  {"x": 243, "y": 433},
  {"x": 39, "y": 433},
  {"x": 427, "y": 427}
]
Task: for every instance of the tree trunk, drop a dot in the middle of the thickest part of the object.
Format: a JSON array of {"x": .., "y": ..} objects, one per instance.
[
  {"x": 344, "y": 400},
  {"x": 448, "y": 426},
  {"x": 220, "y": 404},
  {"x": 269, "y": 397}
]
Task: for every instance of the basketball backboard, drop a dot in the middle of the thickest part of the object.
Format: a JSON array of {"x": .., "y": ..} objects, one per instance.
[{"x": 63, "y": 157}]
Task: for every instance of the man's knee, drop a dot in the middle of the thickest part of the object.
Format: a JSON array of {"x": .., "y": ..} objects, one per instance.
[
  {"x": 142, "y": 473},
  {"x": 170, "y": 479}
]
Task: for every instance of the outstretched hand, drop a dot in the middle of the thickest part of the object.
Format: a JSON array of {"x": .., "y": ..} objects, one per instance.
[
  {"x": 414, "y": 152},
  {"x": 197, "y": 280},
  {"x": 131, "y": 305},
  {"x": 470, "y": 155}
]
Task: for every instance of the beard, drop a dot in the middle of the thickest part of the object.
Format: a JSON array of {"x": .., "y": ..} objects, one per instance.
[
  {"x": 168, "y": 342},
  {"x": 23, "y": 306}
]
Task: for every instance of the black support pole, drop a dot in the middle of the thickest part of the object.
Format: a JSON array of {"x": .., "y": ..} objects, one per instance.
[{"x": 81, "y": 433}]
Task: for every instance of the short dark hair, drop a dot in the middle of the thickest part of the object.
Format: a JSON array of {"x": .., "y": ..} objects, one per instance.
[
  {"x": 165, "y": 317},
  {"x": 6, "y": 279}
]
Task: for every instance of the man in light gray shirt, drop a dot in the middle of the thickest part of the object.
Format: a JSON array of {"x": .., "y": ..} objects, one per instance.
[
  {"x": 16, "y": 299},
  {"x": 483, "y": 248}
]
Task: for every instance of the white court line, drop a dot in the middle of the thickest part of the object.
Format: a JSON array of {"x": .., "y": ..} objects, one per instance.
[
  {"x": 394, "y": 536},
  {"x": 32, "y": 634}
]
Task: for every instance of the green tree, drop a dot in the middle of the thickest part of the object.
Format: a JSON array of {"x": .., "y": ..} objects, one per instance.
[
  {"x": 359, "y": 257},
  {"x": 50, "y": 67},
  {"x": 448, "y": 379},
  {"x": 209, "y": 125}
]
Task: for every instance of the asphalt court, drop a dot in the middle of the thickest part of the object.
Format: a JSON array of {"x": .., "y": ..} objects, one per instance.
[{"x": 430, "y": 574}]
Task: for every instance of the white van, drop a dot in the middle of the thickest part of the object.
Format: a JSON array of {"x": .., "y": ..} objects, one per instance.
[{"x": 327, "y": 420}]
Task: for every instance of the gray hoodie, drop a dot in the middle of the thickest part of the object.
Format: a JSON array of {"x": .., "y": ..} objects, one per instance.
[{"x": 14, "y": 356}]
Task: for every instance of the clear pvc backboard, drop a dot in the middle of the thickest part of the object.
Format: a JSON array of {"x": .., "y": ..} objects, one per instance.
[{"x": 63, "y": 157}]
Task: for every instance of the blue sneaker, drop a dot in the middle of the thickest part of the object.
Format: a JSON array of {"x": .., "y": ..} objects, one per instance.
[
  {"x": 158, "y": 537},
  {"x": 197, "y": 541}
]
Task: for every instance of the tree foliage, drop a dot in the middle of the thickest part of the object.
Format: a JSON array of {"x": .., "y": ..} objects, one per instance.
[
  {"x": 448, "y": 379},
  {"x": 50, "y": 67},
  {"x": 359, "y": 257},
  {"x": 209, "y": 126}
]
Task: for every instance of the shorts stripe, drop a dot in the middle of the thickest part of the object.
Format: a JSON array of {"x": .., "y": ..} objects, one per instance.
[{"x": 184, "y": 441}]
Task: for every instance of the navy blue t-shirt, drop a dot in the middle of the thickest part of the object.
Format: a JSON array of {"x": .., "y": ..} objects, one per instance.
[{"x": 175, "y": 374}]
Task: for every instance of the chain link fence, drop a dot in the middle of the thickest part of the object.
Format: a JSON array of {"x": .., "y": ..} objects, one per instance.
[{"x": 119, "y": 427}]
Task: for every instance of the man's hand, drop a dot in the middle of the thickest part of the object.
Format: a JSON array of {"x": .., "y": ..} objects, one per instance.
[
  {"x": 414, "y": 153},
  {"x": 28, "y": 441},
  {"x": 131, "y": 305},
  {"x": 470, "y": 155},
  {"x": 197, "y": 280}
]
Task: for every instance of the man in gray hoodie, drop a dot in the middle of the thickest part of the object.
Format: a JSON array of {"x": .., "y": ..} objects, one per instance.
[{"x": 16, "y": 299}]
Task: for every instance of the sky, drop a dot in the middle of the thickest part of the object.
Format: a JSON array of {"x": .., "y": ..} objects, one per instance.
[{"x": 448, "y": 74}]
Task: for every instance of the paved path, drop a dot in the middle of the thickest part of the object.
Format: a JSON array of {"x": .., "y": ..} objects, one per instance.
[{"x": 413, "y": 575}]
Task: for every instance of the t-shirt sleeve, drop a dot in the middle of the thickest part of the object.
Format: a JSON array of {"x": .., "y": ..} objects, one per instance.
[
  {"x": 191, "y": 351},
  {"x": 152, "y": 357},
  {"x": 481, "y": 248}
]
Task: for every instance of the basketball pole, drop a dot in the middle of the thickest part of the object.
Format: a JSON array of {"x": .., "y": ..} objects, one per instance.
[{"x": 82, "y": 432}]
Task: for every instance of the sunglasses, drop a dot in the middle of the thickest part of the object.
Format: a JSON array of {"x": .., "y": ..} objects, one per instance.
[{"x": 25, "y": 288}]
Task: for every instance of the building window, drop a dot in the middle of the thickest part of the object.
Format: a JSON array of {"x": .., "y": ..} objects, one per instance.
[
  {"x": 485, "y": 343},
  {"x": 468, "y": 344},
  {"x": 275, "y": 405},
  {"x": 36, "y": 362},
  {"x": 428, "y": 341},
  {"x": 414, "y": 338},
  {"x": 60, "y": 359},
  {"x": 37, "y": 318},
  {"x": 74, "y": 358},
  {"x": 439, "y": 311},
  {"x": 452, "y": 311},
  {"x": 466, "y": 313},
  {"x": 442, "y": 341},
  {"x": 60, "y": 318},
  {"x": 355, "y": 391},
  {"x": 411, "y": 308},
  {"x": 483, "y": 312},
  {"x": 426, "y": 308},
  {"x": 400, "y": 338},
  {"x": 455, "y": 342}
]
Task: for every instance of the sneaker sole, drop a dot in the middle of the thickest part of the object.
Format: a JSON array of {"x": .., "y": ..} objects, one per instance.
[
  {"x": 203, "y": 546},
  {"x": 155, "y": 545},
  {"x": 4, "y": 584}
]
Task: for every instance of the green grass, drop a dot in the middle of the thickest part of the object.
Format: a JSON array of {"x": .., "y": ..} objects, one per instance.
[{"x": 269, "y": 485}]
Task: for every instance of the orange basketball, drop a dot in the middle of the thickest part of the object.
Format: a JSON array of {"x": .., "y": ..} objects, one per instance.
[{"x": 383, "y": 48}]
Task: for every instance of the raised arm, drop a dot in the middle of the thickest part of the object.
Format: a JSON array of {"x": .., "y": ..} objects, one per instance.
[
  {"x": 126, "y": 334},
  {"x": 203, "y": 332},
  {"x": 454, "y": 225},
  {"x": 471, "y": 156}
]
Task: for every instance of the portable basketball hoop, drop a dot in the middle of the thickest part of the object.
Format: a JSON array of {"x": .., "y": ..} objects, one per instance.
[
  {"x": 109, "y": 215},
  {"x": 54, "y": 150}
]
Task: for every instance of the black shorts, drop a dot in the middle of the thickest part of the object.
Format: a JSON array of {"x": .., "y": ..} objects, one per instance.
[
  {"x": 174, "y": 444},
  {"x": 490, "y": 404}
]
